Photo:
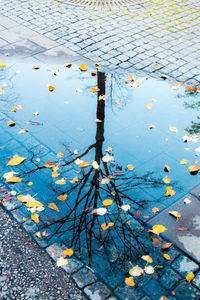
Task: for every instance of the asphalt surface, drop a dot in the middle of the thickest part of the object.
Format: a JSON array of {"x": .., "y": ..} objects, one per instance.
[{"x": 26, "y": 272}]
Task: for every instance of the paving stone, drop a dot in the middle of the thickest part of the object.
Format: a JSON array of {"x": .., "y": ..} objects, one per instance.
[
  {"x": 187, "y": 290},
  {"x": 183, "y": 265},
  {"x": 84, "y": 277},
  {"x": 98, "y": 291},
  {"x": 11, "y": 204},
  {"x": 154, "y": 290},
  {"x": 169, "y": 278},
  {"x": 188, "y": 240},
  {"x": 125, "y": 292},
  {"x": 196, "y": 191},
  {"x": 196, "y": 280}
]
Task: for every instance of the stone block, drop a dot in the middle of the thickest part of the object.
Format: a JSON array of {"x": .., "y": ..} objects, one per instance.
[
  {"x": 98, "y": 291},
  {"x": 184, "y": 265},
  {"x": 84, "y": 277}
]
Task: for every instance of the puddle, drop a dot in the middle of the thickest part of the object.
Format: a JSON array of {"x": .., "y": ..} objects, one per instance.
[{"x": 70, "y": 126}]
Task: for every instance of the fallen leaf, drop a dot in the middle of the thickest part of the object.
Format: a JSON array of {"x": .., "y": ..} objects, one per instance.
[
  {"x": 68, "y": 252},
  {"x": 103, "y": 97},
  {"x": 74, "y": 180},
  {"x": 93, "y": 73},
  {"x": 8, "y": 175},
  {"x": 55, "y": 174},
  {"x": 131, "y": 78},
  {"x": 166, "y": 180},
  {"x": 62, "y": 197},
  {"x": 151, "y": 126},
  {"x": 149, "y": 106},
  {"x": 109, "y": 149},
  {"x": 125, "y": 207},
  {"x": 51, "y": 88},
  {"x": 83, "y": 67},
  {"x": 60, "y": 154},
  {"x": 173, "y": 129},
  {"x": 61, "y": 262},
  {"x": 38, "y": 234},
  {"x": 49, "y": 164},
  {"x": 183, "y": 229},
  {"x": 147, "y": 258},
  {"x": 166, "y": 256},
  {"x": 99, "y": 211},
  {"x": 190, "y": 89},
  {"x": 35, "y": 218},
  {"x": 22, "y": 131},
  {"x": 149, "y": 269},
  {"x": 68, "y": 65},
  {"x": 170, "y": 192},
  {"x": 36, "y": 67},
  {"x": 93, "y": 89},
  {"x": 33, "y": 203},
  {"x": 97, "y": 121},
  {"x": 166, "y": 246},
  {"x": 155, "y": 210},
  {"x": 167, "y": 168},
  {"x": 84, "y": 164},
  {"x": 61, "y": 181},
  {"x": 11, "y": 123},
  {"x": 16, "y": 160},
  {"x": 3, "y": 65},
  {"x": 193, "y": 170},
  {"x": 105, "y": 181},
  {"x": 175, "y": 214},
  {"x": 104, "y": 226},
  {"x": 190, "y": 277},
  {"x": 95, "y": 165},
  {"x": 107, "y": 202},
  {"x": 129, "y": 281},
  {"x": 14, "y": 179},
  {"x": 156, "y": 242},
  {"x": 160, "y": 228},
  {"x": 1, "y": 91},
  {"x": 183, "y": 161},
  {"x": 53, "y": 206},
  {"x": 130, "y": 167},
  {"x": 136, "y": 271},
  {"x": 187, "y": 201},
  {"x": 107, "y": 158}
]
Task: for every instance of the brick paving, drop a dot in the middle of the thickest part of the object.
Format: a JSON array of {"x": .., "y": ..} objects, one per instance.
[{"x": 156, "y": 37}]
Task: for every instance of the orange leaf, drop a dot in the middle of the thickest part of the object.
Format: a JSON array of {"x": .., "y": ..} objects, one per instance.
[
  {"x": 49, "y": 164},
  {"x": 68, "y": 252},
  {"x": 166, "y": 256},
  {"x": 166, "y": 180},
  {"x": 93, "y": 89},
  {"x": 167, "y": 168},
  {"x": 84, "y": 164},
  {"x": 62, "y": 197},
  {"x": 147, "y": 258},
  {"x": 183, "y": 161},
  {"x": 74, "y": 180},
  {"x": 35, "y": 218},
  {"x": 14, "y": 179},
  {"x": 129, "y": 281},
  {"x": 68, "y": 65},
  {"x": 11, "y": 123},
  {"x": 130, "y": 167},
  {"x": 51, "y": 88},
  {"x": 170, "y": 192},
  {"x": 155, "y": 210},
  {"x": 36, "y": 67},
  {"x": 61, "y": 181},
  {"x": 193, "y": 170},
  {"x": 166, "y": 246},
  {"x": 190, "y": 89},
  {"x": 53, "y": 206},
  {"x": 190, "y": 277},
  {"x": 83, "y": 67}
]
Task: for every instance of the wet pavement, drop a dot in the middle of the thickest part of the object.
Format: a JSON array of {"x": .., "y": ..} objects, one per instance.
[
  {"x": 156, "y": 37},
  {"x": 132, "y": 134}
]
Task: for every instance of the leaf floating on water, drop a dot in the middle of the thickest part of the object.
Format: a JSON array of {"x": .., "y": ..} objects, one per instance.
[
  {"x": 55, "y": 174},
  {"x": 94, "y": 89},
  {"x": 183, "y": 229},
  {"x": 16, "y": 160},
  {"x": 183, "y": 161},
  {"x": 107, "y": 202},
  {"x": 166, "y": 180},
  {"x": 68, "y": 65},
  {"x": 1, "y": 91},
  {"x": 155, "y": 210},
  {"x": 190, "y": 89},
  {"x": 51, "y": 88},
  {"x": 151, "y": 126},
  {"x": 8, "y": 175},
  {"x": 95, "y": 165},
  {"x": 61, "y": 262},
  {"x": 11, "y": 123},
  {"x": 62, "y": 197},
  {"x": 149, "y": 269},
  {"x": 136, "y": 271},
  {"x": 53, "y": 206},
  {"x": 49, "y": 164},
  {"x": 158, "y": 228},
  {"x": 109, "y": 149},
  {"x": 74, "y": 180},
  {"x": 36, "y": 67},
  {"x": 84, "y": 164},
  {"x": 175, "y": 214},
  {"x": 190, "y": 277},
  {"x": 68, "y": 252},
  {"x": 170, "y": 192},
  {"x": 167, "y": 168},
  {"x": 147, "y": 258},
  {"x": 130, "y": 167},
  {"x": 105, "y": 181},
  {"x": 83, "y": 67},
  {"x": 61, "y": 181},
  {"x": 187, "y": 201},
  {"x": 60, "y": 154},
  {"x": 193, "y": 169},
  {"x": 14, "y": 179},
  {"x": 166, "y": 246},
  {"x": 149, "y": 106},
  {"x": 93, "y": 73},
  {"x": 99, "y": 211},
  {"x": 129, "y": 281},
  {"x": 166, "y": 256},
  {"x": 107, "y": 158},
  {"x": 103, "y": 97},
  {"x": 173, "y": 129},
  {"x": 35, "y": 218},
  {"x": 33, "y": 203},
  {"x": 97, "y": 121},
  {"x": 3, "y": 65},
  {"x": 125, "y": 207}
]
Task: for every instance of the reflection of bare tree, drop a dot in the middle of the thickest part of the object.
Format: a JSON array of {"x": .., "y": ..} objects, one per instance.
[{"x": 117, "y": 228}]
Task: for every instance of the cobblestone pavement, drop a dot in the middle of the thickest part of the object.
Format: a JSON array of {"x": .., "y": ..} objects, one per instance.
[
  {"x": 157, "y": 37},
  {"x": 26, "y": 272}
]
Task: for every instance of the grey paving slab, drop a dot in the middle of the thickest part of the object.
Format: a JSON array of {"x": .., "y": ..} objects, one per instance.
[{"x": 185, "y": 232}]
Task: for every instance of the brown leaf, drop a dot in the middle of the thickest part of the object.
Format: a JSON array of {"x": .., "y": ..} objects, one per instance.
[
  {"x": 68, "y": 65},
  {"x": 183, "y": 229},
  {"x": 166, "y": 246}
]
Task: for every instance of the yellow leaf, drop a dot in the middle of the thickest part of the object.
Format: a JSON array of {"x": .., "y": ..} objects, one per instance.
[
  {"x": 1, "y": 91},
  {"x": 11, "y": 123},
  {"x": 155, "y": 210},
  {"x": 30, "y": 183},
  {"x": 147, "y": 258},
  {"x": 93, "y": 89},
  {"x": 22, "y": 130},
  {"x": 14, "y": 179},
  {"x": 167, "y": 168},
  {"x": 35, "y": 218},
  {"x": 151, "y": 126},
  {"x": 75, "y": 179},
  {"x": 83, "y": 67},
  {"x": 173, "y": 129},
  {"x": 190, "y": 88},
  {"x": 55, "y": 174},
  {"x": 111, "y": 224},
  {"x": 109, "y": 149},
  {"x": 95, "y": 165},
  {"x": 53, "y": 206},
  {"x": 68, "y": 65},
  {"x": 61, "y": 262},
  {"x": 175, "y": 214},
  {"x": 61, "y": 181},
  {"x": 149, "y": 106},
  {"x": 38, "y": 234},
  {"x": 160, "y": 228},
  {"x": 16, "y": 160},
  {"x": 62, "y": 197},
  {"x": 24, "y": 219},
  {"x": 130, "y": 167},
  {"x": 107, "y": 202},
  {"x": 51, "y": 88},
  {"x": 60, "y": 154},
  {"x": 97, "y": 121},
  {"x": 93, "y": 73},
  {"x": 131, "y": 78},
  {"x": 166, "y": 256},
  {"x": 183, "y": 161},
  {"x": 129, "y": 281},
  {"x": 190, "y": 277},
  {"x": 3, "y": 65},
  {"x": 170, "y": 192},
  {"x": 136, "y": 271},
  {"x": 68, "y": 252},
  {"x": 84, "y": 164},
  {"x": 34, "y": 203},
  {"x": 149, "y": 269},
  {"x": 193, "y": 170},
  {"x": 104, "y": 226},
  {"x": 166, "y": 180},
  {"x": 36, "y": 67}
]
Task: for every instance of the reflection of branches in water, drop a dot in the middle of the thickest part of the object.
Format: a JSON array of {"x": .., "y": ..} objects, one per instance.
[{"x": 10, "y": 95}]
